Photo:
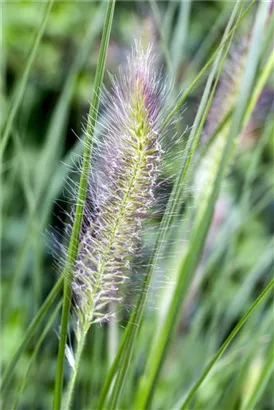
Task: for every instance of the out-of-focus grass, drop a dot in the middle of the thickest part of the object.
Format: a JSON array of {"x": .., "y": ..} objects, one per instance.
[{"x": 237, "y": 261}]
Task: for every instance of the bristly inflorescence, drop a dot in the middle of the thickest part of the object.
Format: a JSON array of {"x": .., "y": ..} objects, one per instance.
[
  {"x": 121, "y": 186},
  {"x": 225, "y": 99}
]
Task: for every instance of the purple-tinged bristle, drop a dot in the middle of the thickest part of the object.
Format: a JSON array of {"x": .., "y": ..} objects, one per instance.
[{"x": 125, "y": 168}]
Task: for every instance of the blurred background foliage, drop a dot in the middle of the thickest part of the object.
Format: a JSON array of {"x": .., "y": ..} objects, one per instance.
[{"x": 238, "y": 258}]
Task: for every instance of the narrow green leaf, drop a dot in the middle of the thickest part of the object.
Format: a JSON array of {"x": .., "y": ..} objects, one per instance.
[
  {"x": 53, "y": 144},
  {"x": 112, "y": 371},
  {"x": 224, "y": 41},
  {"x": 206, "y": 44},
  {"x": 73, "y": 244},
  {"x": 263, "y": 77},
  {"x": 52, "y": 184},
  {"x": 158, "y": 20},
  {"x": 23, "y": 83},
  {"x": 171, "y": 209},
  {"x": 7, "y": 374},
  {"x": 180, "y": 35},
  {"x": 34, "y": 354},
  {"x": 198, "y": 236},
  {"x": 263, "y": 380},
  {"x": 224, "y": 346},
  {"x": 168, "y": 20},
  {"x": 137, "y": 313}
]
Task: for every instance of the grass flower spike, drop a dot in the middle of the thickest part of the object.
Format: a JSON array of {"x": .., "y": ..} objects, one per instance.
[{"x": 121, "y": 189}]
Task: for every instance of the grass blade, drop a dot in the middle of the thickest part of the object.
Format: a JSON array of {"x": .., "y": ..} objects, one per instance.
[
  {"x": 264, "y": 75},
  {"x": 22, "y": 86},
  {"x": 73, "y": 245},
  {"x": 225, "y": 345},
  {"x": 36, "y": 223},
  {"x": 263, "y": 380},
  {"x": 191, "y": 258},
  {"x": 7, "y": 374},
  {"x": 34, "y": 354},
  {"x": 158, "y": 20},
  {"x": 55, "y": 132},
  {"x": 182, "y": 99},
  {"x": 55, "y": 187},
  {"x": 180, "y": 35},
  {"x": 173, "y": 201},
  {"x": 135, "y": 318}
]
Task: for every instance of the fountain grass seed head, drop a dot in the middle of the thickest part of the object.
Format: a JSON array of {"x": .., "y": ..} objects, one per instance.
[{"x": 125, "y": 168}]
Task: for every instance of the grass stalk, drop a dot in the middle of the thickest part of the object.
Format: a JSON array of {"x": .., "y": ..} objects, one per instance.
[
  {"x": 78, "y": 355},
  {"x": 112, "y": 372},
  {"x": 195, "y": 247},
  {"x": 36, "y": 223},
  {"x": 73, "y": 245},
  {"x": 203, "y": 280},
  {"x": 138, "y": 312}
]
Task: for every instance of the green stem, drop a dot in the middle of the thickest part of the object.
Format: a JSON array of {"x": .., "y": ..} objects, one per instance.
[
  {"x": 170, "y": 207},
  {"x": 112, "y": 371},
  {"x": 265, "y": 73},
  {"x": 79, "y": 351},
  {"x": 73, "y": 245}
]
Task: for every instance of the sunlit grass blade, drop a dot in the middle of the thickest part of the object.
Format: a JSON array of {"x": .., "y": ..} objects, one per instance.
[
  {"x": 224, "y": 346},
  {"x": 24, "y": 79},
  {"x": 191, "y": 258},
  {"x": 241, "y": 106},
  {"x": 135, "y": 318},
  {"x": 73, "y": 244},
  {"x": 173, "y": 201},
  {"x": 263, "y": 77}
]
